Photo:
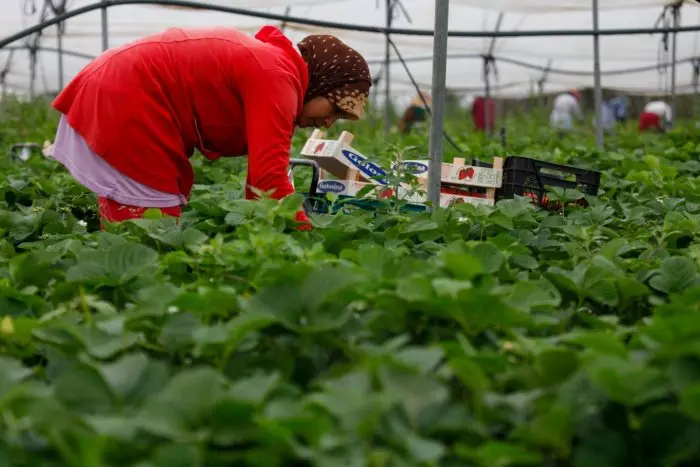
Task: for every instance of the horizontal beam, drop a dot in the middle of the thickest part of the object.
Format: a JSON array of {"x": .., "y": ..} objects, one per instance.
[
  {"x": 41, "y": 48},
  {"x": 427, "y": 58},
  {"x": 559, "y": 71},
  {"x": 333, "y": 25}
]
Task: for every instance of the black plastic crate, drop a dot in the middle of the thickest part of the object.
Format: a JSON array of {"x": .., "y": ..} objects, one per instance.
[{"x": 523, "y": 176}]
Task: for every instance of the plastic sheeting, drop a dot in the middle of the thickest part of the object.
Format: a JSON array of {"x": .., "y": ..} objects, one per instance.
[{"x": 571, "y": 54}]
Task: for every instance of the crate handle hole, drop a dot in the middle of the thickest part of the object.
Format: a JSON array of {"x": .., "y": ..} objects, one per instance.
[{"x": 558, "y": 174}]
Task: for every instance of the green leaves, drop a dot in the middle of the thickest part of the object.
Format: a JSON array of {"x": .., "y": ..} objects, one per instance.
[
  {"x": 184, "y": 403},
  {"x": 115, "y": 265},
  {"x": 556, "y": 365},
  {"x": 499, "y": 454},
  {"x": 674, "y": 275},
  {"x": 133, "y": 378},
  {"x": 309, "y": 306},
  {"x": 626, "y": 382},
  {"x": 534, "y": 294},
  {"x": 485, "y": 336}
]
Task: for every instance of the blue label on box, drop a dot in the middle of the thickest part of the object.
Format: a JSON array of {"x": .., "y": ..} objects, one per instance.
[
  {"x": 331, "y": 186},
  {"x": 415, "y": 167},
  {"x": 370, "y": 169}
]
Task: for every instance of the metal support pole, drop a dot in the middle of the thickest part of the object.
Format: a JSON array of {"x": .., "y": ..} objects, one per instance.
[
  {"x": 487, "y": 84},
  {"x": 696, "y": 83},
  {"x": 3, "y": 79},
  {"x": 59, "y": 46},
  {"x": 3, "y": 91},
  {"x": 488, "y": 65},
  {"x": 540, "y": 86},
  {"x": 283, "y": 25},
  {"x": 598, "y": 93},
  {"x": 387, "y": 74},
  {"x": 674, "y": 59},
  {"x": 442, "y": 8},
  {"x": 105, "y": 28},
  {"x": 32, "y": 73}
]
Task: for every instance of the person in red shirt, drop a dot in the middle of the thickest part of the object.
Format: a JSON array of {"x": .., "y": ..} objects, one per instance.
[
  {"x": 133, "y": 117},
  {"x": 483, "y": 114}
]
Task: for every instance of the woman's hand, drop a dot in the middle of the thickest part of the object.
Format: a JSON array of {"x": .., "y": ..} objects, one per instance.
[{"x": 304, "y": 220}]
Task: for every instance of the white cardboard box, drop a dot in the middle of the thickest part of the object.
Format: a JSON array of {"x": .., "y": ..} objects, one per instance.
[
  {"x": 458, "y": 174},
  {"x": 338, "y": 159},
  {"x": 351, "y": 188}
]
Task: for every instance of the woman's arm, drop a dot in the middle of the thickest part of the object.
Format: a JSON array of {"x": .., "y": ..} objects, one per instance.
[{"x": 271, "y": 106}]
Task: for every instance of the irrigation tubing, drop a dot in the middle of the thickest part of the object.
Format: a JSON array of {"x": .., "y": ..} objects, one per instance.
[{"x": 334, "y": 25}]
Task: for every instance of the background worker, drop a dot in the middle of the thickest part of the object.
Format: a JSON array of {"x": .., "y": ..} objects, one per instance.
[
  {"x": 483, "y": 114},
  {"x": 566, "y": 108},
  {"x": 656, "y": 116},
  {"x": 414, "y": 113},
  {"x": 608, "y": 117},
  {"x": 619, "y": 105}
]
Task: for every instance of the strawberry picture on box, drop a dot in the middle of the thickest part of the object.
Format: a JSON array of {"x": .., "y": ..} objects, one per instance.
[{"x": 466, "y": 173}]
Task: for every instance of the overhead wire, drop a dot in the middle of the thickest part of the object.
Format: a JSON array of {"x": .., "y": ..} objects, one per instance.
[{"x": 663, "y": 53}]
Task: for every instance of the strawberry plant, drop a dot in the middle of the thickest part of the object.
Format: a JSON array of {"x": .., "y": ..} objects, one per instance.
[{"x": 468, "y": 336}]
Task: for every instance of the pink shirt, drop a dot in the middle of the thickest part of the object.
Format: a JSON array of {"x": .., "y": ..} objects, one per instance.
[{"x": 93, "y": 172}]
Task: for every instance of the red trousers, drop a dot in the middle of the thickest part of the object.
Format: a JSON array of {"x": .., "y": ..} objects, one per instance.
[
  {"x": 648, "y": 121},
  {"x": 113, "y": 211}
]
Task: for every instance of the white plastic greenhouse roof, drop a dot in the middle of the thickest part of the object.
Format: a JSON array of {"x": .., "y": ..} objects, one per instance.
[{"x": 573, "y": 54}]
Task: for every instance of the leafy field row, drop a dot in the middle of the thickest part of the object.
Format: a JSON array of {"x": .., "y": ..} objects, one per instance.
[{"x": 466, "y": 337}]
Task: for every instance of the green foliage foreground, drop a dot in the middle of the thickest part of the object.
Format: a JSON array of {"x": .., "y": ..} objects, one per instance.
[{"x": 465, "y": 337}]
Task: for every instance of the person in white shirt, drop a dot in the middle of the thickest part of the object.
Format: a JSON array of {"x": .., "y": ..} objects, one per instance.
[
  {"x": 566, "y": 108},
  {"x": 655, "y": 116}
]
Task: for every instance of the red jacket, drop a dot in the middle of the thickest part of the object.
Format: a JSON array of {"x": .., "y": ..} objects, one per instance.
[
  {"x": 145, "y": 106},
  {"x": 479, "y": 108}
]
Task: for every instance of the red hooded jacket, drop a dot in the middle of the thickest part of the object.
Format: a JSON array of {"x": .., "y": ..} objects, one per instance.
[{"x": 144, "y": 107}]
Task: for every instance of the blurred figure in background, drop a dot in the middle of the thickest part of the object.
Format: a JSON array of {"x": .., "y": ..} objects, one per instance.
[
  {"x": 483, "y": 114},
  {"x": 414, "y": 113},
  {"x": 618, "y": 105},
  {"x": 608, "y": 117},
  {"x": 655, "y": 116},
  {"x": 566, "y": 108}
]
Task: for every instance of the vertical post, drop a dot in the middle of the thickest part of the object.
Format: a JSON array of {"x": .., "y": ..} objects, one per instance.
[
  {"x": 3, "y": 76},
  {"x": 487, "y": 83},
  {"x": 438, "y": 93},
  {"x": 540, "y": 86},
  {"x": 32, "y": 72},
  {"x": 488, "y": 65},
  {"x": 696, "y": 82},
  {"x": 387, "y": 65},
  {"x": 59, "y": 46},
  {"x": 283, "y": 25},
  {"x": 674, "y": 59},
  {"x": 598, "y": 92},
  {"x": 3, "y": 90},
  {"x": 105, "y": 27}
]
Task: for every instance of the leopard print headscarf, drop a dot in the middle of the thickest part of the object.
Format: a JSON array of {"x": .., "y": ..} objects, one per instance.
[{"x": 337, "y": 72}]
